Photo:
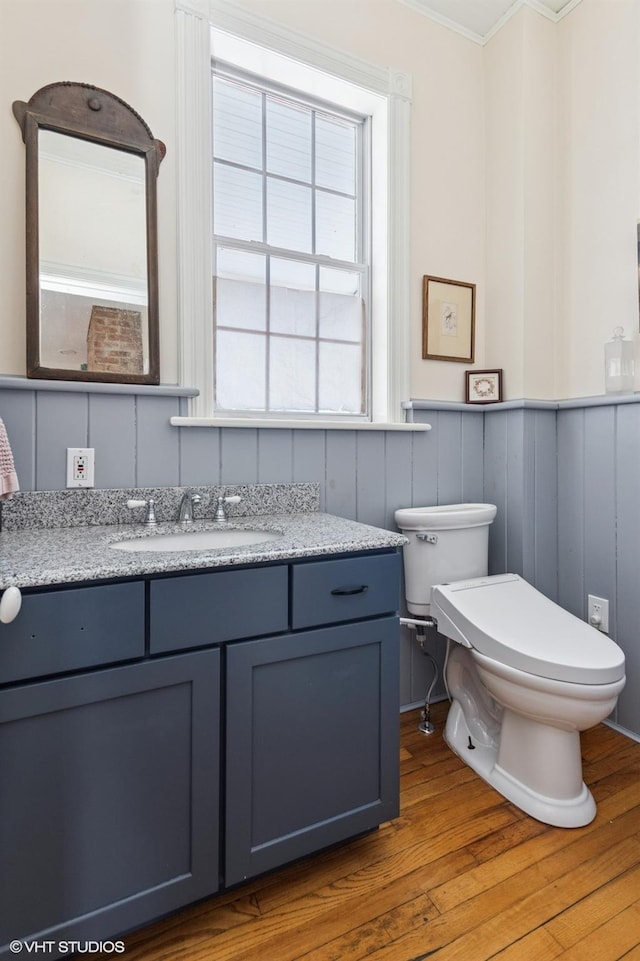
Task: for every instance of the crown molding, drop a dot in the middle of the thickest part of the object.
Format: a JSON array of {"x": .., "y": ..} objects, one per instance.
[{"x": 481, "y": 39}]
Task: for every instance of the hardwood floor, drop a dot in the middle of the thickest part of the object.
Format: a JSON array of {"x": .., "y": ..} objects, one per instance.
[{"x": 461, "y": 874}]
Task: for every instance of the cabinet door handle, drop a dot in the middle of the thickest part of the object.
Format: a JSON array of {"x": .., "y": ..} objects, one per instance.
[
  {"x": 10, "y": 604},
  {"x": 352, "y": 589}
]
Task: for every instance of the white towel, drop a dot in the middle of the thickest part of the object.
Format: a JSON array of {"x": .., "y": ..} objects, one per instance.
[{"x": 8, "y": 476}]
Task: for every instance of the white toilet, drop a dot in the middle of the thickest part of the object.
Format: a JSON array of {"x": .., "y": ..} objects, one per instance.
[{"x": 524, "y": 676}]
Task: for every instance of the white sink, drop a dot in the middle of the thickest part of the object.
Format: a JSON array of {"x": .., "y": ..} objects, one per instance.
[{"x": 197, "y": 540}]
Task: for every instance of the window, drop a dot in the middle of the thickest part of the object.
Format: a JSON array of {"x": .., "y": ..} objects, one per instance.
[
  {"x": 290, "y": 257},
  {"x": 309, "y": 251}
]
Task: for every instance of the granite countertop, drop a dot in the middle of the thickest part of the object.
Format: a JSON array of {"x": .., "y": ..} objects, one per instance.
[{"x": 61, "y": 555}]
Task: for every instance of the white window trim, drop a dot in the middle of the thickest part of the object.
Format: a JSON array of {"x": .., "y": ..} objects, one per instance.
[{"x": 193, "y": 58}]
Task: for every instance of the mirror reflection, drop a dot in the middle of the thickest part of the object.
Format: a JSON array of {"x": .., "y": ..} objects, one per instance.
[{"x": 92, "y": 256}]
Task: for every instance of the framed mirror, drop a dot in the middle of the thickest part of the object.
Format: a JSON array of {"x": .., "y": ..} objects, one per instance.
[{"x": 91, "y": 236}]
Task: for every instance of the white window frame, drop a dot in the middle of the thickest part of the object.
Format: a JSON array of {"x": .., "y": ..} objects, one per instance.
[{"x": 390, "y": 276}]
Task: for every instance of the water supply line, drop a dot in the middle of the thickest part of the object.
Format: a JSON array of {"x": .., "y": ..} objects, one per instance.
[{"x": 426, "y": 725}]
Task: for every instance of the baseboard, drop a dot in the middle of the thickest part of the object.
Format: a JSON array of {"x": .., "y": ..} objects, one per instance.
[{"x": 623, "y": 730}]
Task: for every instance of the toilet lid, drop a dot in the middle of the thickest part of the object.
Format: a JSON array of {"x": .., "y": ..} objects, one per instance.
[{"x": 506, "y": 619}]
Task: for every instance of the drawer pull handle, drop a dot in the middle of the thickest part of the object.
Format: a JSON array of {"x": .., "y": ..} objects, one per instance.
[{"x": 354, "y": 589}]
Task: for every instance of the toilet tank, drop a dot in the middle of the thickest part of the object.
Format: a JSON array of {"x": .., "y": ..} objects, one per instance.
[{"x": 447, "y": 543}]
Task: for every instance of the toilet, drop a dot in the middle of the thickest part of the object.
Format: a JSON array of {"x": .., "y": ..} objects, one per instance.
[{"x": 524, "y": 676}]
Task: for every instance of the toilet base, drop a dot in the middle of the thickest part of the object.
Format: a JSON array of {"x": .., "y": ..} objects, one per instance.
[{"x": 565, "y": 812}]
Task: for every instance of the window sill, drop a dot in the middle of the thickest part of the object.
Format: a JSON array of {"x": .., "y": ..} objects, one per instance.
[{"x": 292, "y": 424}]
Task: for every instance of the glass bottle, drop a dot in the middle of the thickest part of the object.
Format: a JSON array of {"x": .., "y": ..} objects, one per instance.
[{"x": 619, "y": 364}]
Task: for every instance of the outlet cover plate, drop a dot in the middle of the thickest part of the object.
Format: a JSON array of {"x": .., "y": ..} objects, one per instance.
[
  {"x": 598, "y": 612},
  {"x": 80, "y": 466}
]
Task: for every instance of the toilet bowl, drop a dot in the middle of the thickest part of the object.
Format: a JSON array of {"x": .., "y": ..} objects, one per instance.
[
  {"x": 524, "y": 676},
  {"x": 550, "y": 675}
]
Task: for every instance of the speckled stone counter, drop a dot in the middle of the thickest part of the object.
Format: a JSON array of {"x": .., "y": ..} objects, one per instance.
[{"x": 37, "y": 556}]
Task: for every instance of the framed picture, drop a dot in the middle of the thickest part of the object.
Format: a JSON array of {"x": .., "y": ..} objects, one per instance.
[
  {"x": 483, "y": 386},
  {"x": 448, "y": 319}
]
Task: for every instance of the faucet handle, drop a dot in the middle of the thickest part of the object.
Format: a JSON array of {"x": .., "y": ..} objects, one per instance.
[
  {"x": 221, "y": 506},
  {"x": 150, "y": 516}
]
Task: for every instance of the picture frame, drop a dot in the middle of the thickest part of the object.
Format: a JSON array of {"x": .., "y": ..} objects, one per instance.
[
  {"x": 483, "y": 386},
  {"x": 448, "y": 319}
]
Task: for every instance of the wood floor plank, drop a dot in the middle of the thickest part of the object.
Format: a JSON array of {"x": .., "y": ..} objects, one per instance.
[
  {"x": 611, "y": 940},
  {"x": 529, "y": 863},
  {"x": 521, "y": 830},
  {"x": 539, "y": 945},
  {"x": 581, "y": 919},
  {"x": 361, "y": 941},
  {"x": 492, "y": 921}
]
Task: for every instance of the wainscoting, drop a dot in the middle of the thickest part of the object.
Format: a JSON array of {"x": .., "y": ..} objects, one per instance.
[{"x": 565, "y": 478}]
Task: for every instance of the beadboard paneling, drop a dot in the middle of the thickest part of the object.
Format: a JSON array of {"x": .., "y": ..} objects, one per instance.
[{"x": 627, "y": 598}]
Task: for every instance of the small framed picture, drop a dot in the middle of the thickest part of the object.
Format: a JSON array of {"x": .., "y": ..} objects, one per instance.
[
  {"x": 483, "y": 386},
  {"x": 448, "y": 319}
]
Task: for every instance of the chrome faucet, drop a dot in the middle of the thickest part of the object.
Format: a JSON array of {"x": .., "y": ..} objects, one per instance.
[
  {"x": 186, "y": 507},
  {"x": 220, "y": 515}
]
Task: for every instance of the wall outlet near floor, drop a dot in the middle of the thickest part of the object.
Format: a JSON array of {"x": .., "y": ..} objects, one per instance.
[
  {"x": 80, "y": 466},
  {"x": 598, "y": 612}
]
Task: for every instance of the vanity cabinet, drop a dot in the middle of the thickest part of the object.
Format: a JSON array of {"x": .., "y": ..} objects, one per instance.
[
  {"x": 133, "y": 713},
  {"x": 109, "y": 798}
]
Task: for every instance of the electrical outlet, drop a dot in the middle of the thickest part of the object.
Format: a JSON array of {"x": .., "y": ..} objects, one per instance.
[
  {"x": 598, "y": 612},
  {"x": 80, "y": 466}
]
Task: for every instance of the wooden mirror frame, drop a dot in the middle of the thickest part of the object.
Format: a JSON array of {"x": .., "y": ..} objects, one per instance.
[{"x": 89, "y": 113}]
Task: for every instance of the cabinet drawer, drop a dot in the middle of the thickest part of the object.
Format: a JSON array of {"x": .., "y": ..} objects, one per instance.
[
  {"x": 326, "y": 592},
  {"x": 64, "y": 630},
  {"x": 205, "y": 609}
]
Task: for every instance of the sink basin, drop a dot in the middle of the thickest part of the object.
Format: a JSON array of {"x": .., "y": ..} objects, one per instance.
[{"x": 196, "y": 540}]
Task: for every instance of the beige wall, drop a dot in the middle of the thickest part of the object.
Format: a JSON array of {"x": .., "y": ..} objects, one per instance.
[
  {"x": 599, "y": 171},
  {"x": 563, "y": 162},
  {"x": 521, "y": 175},
  {"x": 525, "y": 165}
]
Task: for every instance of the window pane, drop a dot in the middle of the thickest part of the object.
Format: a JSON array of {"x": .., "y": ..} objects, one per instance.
[
  {"x": 340, "y": 379},
  {"x": 293, "y": 273},
  {"x": 335, "y": 155},
  {"x": 292, "y": 298},
  {"x": 292, "y": 374},
  {"x": 238, "y": 265},
  {"x": 240, "y": 371},
  {"x": 340, "y": 307},
  {"x": 237, "y": 203},
  {"x": 240, "y": 291},
  {"x": 237, "y": 124},
  {"x": 341, "y": 317},
  {"x": 336, "y": 281},
  {"x": 335, "y": 226},
  {"x": 288, "y": 215},
  {"x": 288, "y": 140}
]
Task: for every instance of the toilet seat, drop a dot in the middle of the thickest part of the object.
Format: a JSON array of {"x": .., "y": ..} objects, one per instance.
[{"x": 509, "y": 621}]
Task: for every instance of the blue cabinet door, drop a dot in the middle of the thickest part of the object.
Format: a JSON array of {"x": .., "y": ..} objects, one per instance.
[
  {"x": 312, "y": 742},
  {"x": 109, "y": 798}
]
